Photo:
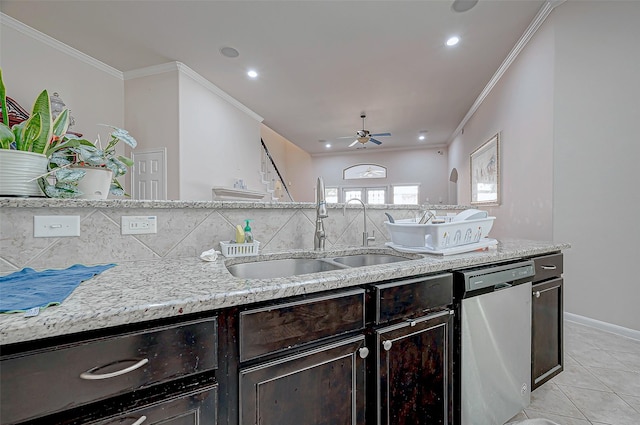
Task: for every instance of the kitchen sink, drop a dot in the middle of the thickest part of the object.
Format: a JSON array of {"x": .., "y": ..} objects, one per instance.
[
  {"x": 360, "y": 260},
  {"x": 270, "y": 269}
]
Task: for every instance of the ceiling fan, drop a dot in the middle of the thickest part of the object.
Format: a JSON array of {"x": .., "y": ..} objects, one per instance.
[{"x": 363, "y": 136}]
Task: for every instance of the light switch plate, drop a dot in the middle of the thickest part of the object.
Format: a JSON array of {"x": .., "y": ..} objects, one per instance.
[
  {"x": 138, "y": 224},
  {"x": 56, "y": 226}
]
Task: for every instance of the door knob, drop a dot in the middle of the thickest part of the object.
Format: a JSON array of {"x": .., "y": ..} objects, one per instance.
[
  {"x": 387, "y": 345},
  {"x": 364, "y": 352}
]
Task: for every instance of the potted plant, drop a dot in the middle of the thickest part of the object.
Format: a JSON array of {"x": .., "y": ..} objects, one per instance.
[
  {"x": 84, "y": 169},
  {"x": 25, "y": 146}
]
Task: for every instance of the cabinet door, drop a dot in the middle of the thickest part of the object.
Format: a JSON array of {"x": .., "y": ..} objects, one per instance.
[
  {"x": 414, "y": 371},
  {"x": 324, "y": 386},
  {"x": 546, "y": 331}
]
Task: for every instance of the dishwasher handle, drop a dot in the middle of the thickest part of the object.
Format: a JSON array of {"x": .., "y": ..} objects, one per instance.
[{"x": 501, "y": 286}]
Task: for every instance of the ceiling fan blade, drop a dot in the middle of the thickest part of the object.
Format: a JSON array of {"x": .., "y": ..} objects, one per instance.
[
  {"x": 377, "y": 142},
  {"x": 380, "y": 134},
  {"x": 353, "y": 144}
]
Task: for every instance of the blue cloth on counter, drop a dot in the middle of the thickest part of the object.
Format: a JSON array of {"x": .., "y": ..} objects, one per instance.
[{"x": 27, "y": 288}]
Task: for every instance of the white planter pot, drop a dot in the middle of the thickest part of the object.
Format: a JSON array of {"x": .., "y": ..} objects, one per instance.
[
  {"x": 18, "y": 169},
  {"x": 95, "y": 184}
]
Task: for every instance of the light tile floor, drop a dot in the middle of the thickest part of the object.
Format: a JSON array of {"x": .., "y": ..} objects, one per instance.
[{"x": 600, "y": 383}]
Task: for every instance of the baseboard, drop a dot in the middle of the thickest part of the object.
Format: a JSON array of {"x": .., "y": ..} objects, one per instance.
[{"x": 603, "y": 326}]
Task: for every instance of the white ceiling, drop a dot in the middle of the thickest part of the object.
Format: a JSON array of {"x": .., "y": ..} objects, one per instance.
[{"x": 321, "y": 63}]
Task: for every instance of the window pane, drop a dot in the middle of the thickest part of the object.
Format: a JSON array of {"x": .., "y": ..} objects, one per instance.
[
  {"x": 375, "y": 196},
  {"x": 352, "y": 193},
  {"x": 405, "y": 194},
  {"x": 331, "y": 195}
]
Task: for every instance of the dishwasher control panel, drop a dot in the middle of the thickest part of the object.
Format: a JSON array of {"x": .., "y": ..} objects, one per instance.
[{"x": 498, "y": 276}]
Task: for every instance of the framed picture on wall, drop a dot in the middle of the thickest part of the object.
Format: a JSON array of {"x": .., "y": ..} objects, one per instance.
[{"x": 485, "y": 173}]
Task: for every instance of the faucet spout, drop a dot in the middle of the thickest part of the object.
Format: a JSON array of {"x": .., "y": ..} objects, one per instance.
[
  {"x": 365, "y": 235},
  {"x": 319, "y": 236}
]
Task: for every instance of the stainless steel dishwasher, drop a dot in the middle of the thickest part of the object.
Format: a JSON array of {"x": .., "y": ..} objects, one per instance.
[{"x": 494, "y": 342}]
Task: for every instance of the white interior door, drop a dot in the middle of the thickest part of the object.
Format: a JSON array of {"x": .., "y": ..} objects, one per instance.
[{"x": 149, "y": 177}]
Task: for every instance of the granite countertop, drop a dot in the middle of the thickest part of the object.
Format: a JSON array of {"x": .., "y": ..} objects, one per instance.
[
  {"x": 133, "y": 203},
  {"x": 154, "y": 289}
]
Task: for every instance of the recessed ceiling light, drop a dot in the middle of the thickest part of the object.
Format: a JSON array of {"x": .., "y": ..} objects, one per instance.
[
  {"x": 463, "y": 5},
  {"x": 252, "y": 74},
  {"x": 421, "y": 137},
  {"x": 453, "y": 41},
  {"x": 328, "y": 145},
  {"x": 229, "y": 52}
]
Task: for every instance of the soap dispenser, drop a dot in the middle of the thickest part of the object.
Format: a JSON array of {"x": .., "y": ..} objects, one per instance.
[{"x": 248, "y": 236}]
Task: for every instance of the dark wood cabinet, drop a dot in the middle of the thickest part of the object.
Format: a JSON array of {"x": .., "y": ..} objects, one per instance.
[
  {"x": 88, "y": 373},
  {"x": 322, "y": 386},
  {"x": 546, "y": 320},
  {"x": 413, "y": 374},
  {"x": 199, "y": 408}
]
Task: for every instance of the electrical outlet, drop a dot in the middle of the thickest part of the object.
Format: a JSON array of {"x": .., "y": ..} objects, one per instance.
[
  {"x": 56, "y": 226},
  {"x": 138, "y": 224}
]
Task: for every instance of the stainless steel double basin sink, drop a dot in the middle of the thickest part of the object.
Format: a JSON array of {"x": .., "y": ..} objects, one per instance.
[{"x": 269, "y": 269}]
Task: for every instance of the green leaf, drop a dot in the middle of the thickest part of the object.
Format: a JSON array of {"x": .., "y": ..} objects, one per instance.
[
  {"x": 30, "y": 133},
  {"x": 65, "y": 175},
  {"x": 3, "y": 102},
  {"x": 17, "y": 132},
  {"x": 42, "y": 106},
  {"x": 60, "y": 127},
  {"x": 6, "y": 137},
  {"x": 127, "y": 161}
]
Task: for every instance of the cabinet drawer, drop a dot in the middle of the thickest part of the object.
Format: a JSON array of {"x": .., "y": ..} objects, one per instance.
[
  {"x": 410, "y": 298},
  {"x": 189, "y": 409},
  {"x": 278, "y": 327},
  {"x": 70, "y": 375},
  {"x": 547, "y": 267}
]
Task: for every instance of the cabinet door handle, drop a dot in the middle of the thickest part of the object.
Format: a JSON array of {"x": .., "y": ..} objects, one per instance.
[
  {"x": 140, "y": 420},
  {"x": 548, "y": 267},
  {"x": 364, "y": 352},
  {"x": 387, "y": 345},
  {"x": 94, "y": 376},
  {"x": 537, "y": 294}
]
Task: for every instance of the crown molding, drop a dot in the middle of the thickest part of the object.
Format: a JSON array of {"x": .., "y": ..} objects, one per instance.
[
  {"x": 528, "y": 34},
  {"x": 184, "y": 69},
  {"x": 151, "y": 70},
  {"x": 58, "y": 45}
]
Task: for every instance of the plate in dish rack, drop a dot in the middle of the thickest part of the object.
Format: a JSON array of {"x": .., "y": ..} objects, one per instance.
[{"x": 484, "y": 243}]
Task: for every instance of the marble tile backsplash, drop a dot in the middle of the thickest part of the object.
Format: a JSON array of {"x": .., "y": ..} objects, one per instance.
[{"x": 182, "y": 232}]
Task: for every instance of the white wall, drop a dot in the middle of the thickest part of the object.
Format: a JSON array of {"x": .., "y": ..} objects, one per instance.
[
  {"x": 218, "y": 142},
  {"x": 520, "y": 107},
  {"x": 567, "y": 109},
  {"x": 425, "y": 167},
  {"x": 31, "y": 62},
  {"x": 154, "y": 99},
  {"x": 597, "y": 149}
]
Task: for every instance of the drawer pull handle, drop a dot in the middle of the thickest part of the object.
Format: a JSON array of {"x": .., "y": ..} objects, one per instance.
[
  {"x": 93, "y": 376},
  {"x": 545, "y": 267},
  {"x": 140, "y": 420},
  {"x": 387, "y": 345},
  {"x": 364, "y": 352}
]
